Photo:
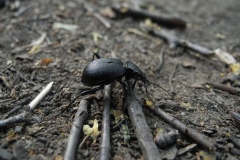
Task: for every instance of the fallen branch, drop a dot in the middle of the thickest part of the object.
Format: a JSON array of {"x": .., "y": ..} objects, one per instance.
[
  {"x": 174, "y": 41},
  {"x": 143, "y": 133},
  {"x": 76, "y": 131},
  {"x": 197, "y": 137},
  {"x": 226, "y": 88},
  {"x": 105, "y": 137},
  {"x": 171, "y": 22}
]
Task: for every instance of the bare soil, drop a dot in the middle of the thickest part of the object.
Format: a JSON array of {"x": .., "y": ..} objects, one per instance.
[{"x": 212, "y": 24}]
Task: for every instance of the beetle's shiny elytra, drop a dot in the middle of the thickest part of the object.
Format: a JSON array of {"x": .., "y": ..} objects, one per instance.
[{"x": 104, "y": 71}]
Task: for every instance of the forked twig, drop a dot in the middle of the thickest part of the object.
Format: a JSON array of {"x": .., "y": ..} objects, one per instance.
[
  {"x": 143, "y": 133},
  {"x": 197, "y": 137},
  {"x": 175, "y": 41}
]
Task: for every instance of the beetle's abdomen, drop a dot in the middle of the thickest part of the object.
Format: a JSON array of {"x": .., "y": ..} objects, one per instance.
[{"x": 102, "y": 71}]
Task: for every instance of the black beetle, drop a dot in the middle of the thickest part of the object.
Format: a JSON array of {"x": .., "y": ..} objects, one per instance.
[{"x": 103, "y": 71}]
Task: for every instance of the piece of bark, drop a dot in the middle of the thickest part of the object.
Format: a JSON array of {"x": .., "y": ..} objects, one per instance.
[{"x": 143, "y": 133}]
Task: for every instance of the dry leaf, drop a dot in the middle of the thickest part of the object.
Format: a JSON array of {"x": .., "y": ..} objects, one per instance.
[
  {"x": 45, "y": 61},
  {"x": 118, "y": 115},
  {"x": 92, "y": 130},
  {"x": 149, "y": 103},
  {"x": 11, "y": 135},
  {"x": 35, "y": 49},
  {"x": 207, "y": 156},
  {"x": 108, "y": 12},
  {"x": 39, "y": 40},
  {"x": 96, "y": 36},
  {"x": 235, "y": 68},
  {"x": 225, "y": 57},
  {"x": 58, "y": 157}
]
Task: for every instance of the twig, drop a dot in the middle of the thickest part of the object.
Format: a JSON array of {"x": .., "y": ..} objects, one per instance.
[
  {"x": 84, "y": 140},
  {"x": 223, "y": 87},
  {"x": 75, "y": 134},
  {"x": 105, "y": 138},
  {"x": 40, "y": 96},
  {"x": 142, "y": 34},
  {"x": 15, "y": 119},
  {"x": 197, "y": 137},
  {"x": 174, "y": 41},
  {"x": 171, "y": 22},
  {"x": 236, "y": 117},
  {"x": 171, "y": 77},
  {"x": 161, "y": 59},
  {"x": 4, "y": 79},
  {"x": 144, "y": 136},
  {"x": 22, "y": 116},
  {"x": 101, "y": 19},
  {"x": 97, "y": 15}
]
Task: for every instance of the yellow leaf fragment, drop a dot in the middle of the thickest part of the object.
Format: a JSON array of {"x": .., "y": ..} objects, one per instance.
[
  {"x": 87, "y": 130},
  {"x": 93, "y": 131},
  {"x": 207, "y": 156},
  {"x": 96, "y": 36},
  {"x": 149, "y": 103},
  {"x": 235, "y": 68},
  {"x": 118, "y": 115},
  {"x": 35, "y": 49}
]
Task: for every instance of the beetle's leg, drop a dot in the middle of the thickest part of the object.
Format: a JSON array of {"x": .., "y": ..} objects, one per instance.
[
  {"x": 136, "y": 79},
  {"x": 92, "y": 90},
  {"x": 124, "y": 86},
  {"x": 95, "y": 53}
]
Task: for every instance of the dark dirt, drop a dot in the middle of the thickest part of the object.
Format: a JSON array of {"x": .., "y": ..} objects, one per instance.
[{"x": 212, "y": 24}]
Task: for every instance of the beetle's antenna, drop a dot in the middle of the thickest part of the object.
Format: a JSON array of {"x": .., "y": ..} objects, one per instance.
[{"x": 170, "y": 94}]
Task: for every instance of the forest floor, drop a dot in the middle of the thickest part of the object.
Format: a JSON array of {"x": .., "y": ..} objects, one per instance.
[{"x": 53, "y": 40}]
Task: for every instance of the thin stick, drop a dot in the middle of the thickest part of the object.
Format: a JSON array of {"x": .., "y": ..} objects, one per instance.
[
  {"x": 143, "y": 133},
  {"x": 161, "y": 59},
  {"x": 76, "y": 131},
  {"x": 97, "y": 15},
  {"x": 171, "y": 77},
  {"x": 105, "y": 138},
  {"x": 101, "y": 19},
  {"x": 193, "y": 134},
  {"x": 226, "y": 88},
  {"x": 175, "y": 41},
  {"x": 40, "y": 96},
  {"x": 171, "y": 22}
]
